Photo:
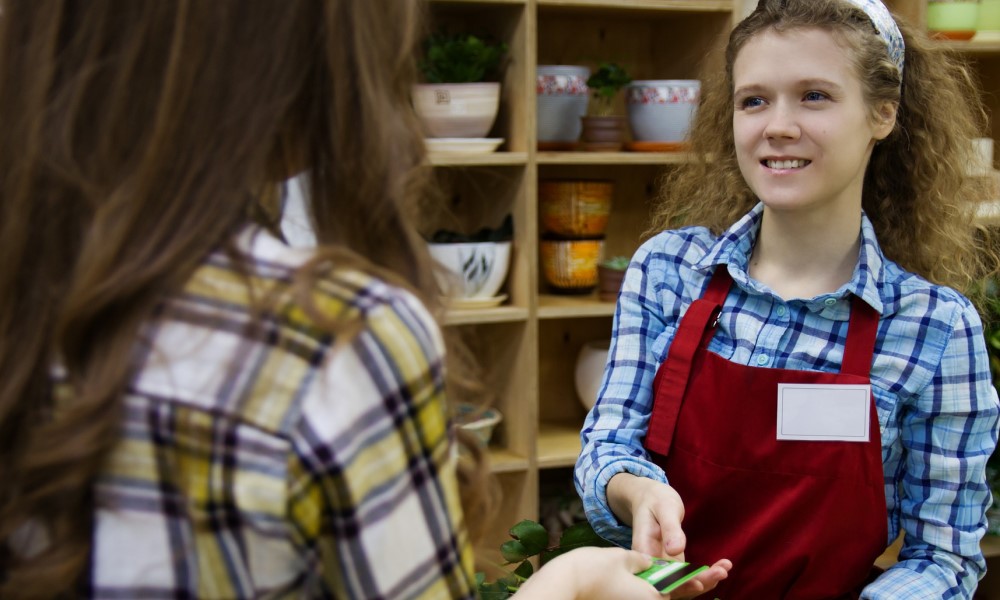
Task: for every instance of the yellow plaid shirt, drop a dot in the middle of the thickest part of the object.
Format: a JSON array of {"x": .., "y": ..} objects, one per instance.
[{"x": 281, "y": 462}]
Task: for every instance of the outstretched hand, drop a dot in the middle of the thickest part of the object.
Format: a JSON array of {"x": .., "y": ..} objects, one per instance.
[{"x": 655, "y": 511}]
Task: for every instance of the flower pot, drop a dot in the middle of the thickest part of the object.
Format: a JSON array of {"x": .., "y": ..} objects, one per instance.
[
  {"x": 471, "y": 269},
  {"x": 988, "y": 24},
  {"x": 589, "y": 371},
  {"x": 603, "y": 134},
  {"x": 562, "y": 97},
  {"x": 952, "y": 20},
  {"x": 570, "y": 266},
  {"x": 575, "y": 208},
  {"x": 661, "y": 110},
  {"x": 609, "y": 283},
  {"x": 457, "y": 110}
]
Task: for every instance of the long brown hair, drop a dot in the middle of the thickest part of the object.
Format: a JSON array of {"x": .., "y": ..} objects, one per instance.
[
  {"x": 135, "y": 138},
  {"x": 917, "y": 193}
]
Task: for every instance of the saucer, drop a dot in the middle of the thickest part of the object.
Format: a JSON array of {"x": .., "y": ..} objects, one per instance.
[
  {"x": 462, "y": 145},
  {"x": 467, "y": 303}
]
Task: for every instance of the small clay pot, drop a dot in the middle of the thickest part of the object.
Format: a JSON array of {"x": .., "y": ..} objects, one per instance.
[
  {"x": 603, "y": 134},
  {"x": 609, "y": 283}
]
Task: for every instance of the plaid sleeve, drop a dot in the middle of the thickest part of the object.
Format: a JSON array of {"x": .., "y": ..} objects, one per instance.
[
  {"x": 613, "y": 432},
  {"x": 374, "y": 500},
  {"x": 948, "y": 434}
]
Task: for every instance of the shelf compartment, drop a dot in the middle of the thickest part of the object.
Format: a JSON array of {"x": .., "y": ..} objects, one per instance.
[
  {"x": 505, "y": 461},
  {"x": 478, "y": 160},
  {"x": 558, "y": 445},
  {"x": 613, "y": 158},
  {"x": 501, "y": 314},
  {"x": 724, "y": 6},
  {"x": 551, "y": 306}
]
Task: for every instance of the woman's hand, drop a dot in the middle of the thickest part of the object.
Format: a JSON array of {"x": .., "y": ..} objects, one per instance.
[
  {"x": 704, "y": 582},
  {"x": 591, "y": 574},
  {"x": 653, "y": 509}
]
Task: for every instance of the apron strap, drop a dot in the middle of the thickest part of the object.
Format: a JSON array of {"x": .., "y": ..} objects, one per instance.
[
  {"x": 696, "y": 327},
  {"x": 862, "y": 330}
]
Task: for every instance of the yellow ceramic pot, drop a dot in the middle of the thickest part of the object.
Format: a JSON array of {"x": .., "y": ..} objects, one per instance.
[
  {"x": 571, "y": 265},
  {"x": 575, "y": 208}
]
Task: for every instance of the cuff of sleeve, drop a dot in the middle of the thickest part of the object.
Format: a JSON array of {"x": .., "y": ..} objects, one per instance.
[{"x": 605, "y": 523}]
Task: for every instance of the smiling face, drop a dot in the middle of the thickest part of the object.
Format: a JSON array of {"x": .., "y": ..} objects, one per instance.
[{"x": 802, "y": 129}]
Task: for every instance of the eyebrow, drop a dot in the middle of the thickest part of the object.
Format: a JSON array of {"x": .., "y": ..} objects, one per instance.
[{"x": 821, "y": 83}]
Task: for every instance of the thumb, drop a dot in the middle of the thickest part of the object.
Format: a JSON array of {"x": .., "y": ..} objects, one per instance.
[
  {"x": 638, "y": 561},
  {"x": 674, "y": 540}
]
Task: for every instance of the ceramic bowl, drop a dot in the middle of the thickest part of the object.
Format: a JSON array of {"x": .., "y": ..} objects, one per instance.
[
  {"x": 661, "y": 110},
  {"x": 457, "y": 110},
  {"x": 570, "y": 266},
  {"x": 589, "y": 371},
  {"x": 562, "y": 95},
  {"x": 471, "y": 269},
  {"x": 952, "y": 20},
  {"x": 479, "y": 421},
  {"x": 575, "y": 208}
]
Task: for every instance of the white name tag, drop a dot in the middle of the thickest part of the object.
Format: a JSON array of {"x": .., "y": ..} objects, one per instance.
[{"x": 823, "y": 412}]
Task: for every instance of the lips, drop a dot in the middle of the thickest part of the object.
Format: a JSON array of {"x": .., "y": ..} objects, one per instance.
[{"x": 785, "y": 164}]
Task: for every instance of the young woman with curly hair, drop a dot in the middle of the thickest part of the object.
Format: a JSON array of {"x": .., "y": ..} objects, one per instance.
[{"x": 796, "y": 377}]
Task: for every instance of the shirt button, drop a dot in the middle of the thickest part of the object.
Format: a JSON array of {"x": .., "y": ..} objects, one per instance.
[
  {"x": 781, "y": 311},
  {"x": 830, "y": 301},
  {"x": 762, "y": 359}
]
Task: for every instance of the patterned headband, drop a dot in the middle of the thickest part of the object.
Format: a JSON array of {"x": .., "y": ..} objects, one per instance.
[{"x": 886, "y": 27}]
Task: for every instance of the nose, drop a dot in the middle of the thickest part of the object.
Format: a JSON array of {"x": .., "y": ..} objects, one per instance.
[{"x": 782, "y": 123}]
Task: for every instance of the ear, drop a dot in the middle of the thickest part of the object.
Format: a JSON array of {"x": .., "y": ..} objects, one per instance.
[{"x": 885, "y": 119}]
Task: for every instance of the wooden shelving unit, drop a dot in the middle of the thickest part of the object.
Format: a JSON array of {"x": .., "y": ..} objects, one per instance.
[{"x": 528, "y": 346}]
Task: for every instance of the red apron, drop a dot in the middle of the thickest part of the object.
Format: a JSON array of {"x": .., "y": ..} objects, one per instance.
[{"x": 799, "y": 519}]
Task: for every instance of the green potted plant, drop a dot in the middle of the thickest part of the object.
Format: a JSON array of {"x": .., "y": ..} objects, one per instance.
[
  {"x": 530, "y": 539},
  {"x": 461, "y": 94},
  {"x": 610, "y": 273},
  {"x": 605, "y": 131}
]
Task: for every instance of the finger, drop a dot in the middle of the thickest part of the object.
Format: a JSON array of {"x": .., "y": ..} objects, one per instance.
[{"x": 674, "y": 540}]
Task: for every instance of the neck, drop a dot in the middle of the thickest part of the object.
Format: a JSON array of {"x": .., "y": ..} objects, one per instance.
[{"x": 804, "y": 255}]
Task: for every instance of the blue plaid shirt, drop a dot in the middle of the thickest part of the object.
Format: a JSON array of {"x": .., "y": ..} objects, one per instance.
[{"x": 930, "y": 377}]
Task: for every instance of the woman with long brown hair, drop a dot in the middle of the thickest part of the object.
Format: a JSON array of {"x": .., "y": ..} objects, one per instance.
[{"x": 189, "y": 408}]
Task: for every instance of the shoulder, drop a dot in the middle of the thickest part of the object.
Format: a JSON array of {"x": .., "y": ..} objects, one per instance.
[
  {"x": 910, "y": 297},
  {"x": 668, "y": 261}
]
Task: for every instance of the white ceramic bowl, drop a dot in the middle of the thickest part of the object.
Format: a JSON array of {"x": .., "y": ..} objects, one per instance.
[
  {"x": 457, "y": 110},
  {"x": 562, "y": 99},
  {"x": 471, "y": 269},
  {"x": 478, "y": 421},
  {"x": 590, "y": 370},
  {"x": 661, "y": 110}
]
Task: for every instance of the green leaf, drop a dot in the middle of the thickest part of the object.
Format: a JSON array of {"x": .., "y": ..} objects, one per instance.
[
  {"x": 480, "y": 579},
  {"x": 514, "y": 551},
  {"x": 533, "y": 536},
  {"x": 524, "y": 570},
  {"x": 494, "y": 591},
  {"x": 581, "y": 534}
]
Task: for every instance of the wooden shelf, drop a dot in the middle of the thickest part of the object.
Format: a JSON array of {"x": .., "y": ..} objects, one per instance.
[
  {"x": 504, "y": 461},
  {"x": 657, "y": 5},
  {"x": 500, "y": 314},
  {"x": 612, "y": 158},
  {"x": 476, "y": 160},
  {"x": 558, "y": 445},
  {"x": 563, "y": 307}
]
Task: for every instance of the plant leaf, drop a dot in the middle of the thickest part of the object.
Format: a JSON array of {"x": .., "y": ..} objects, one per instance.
[
  {"x": 581, "y": 534},
  {"x": 524, "y": 570},
  {"x": 532, "y": 535},
  {"x": 514, "y": 551}
]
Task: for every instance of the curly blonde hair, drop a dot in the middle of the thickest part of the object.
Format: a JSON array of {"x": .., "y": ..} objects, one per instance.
[{"x": 917, "y": 192}]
